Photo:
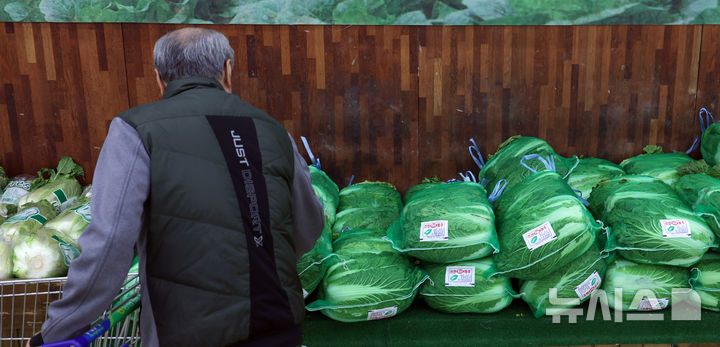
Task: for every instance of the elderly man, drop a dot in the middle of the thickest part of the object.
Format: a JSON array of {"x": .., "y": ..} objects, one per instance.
[{"x": 214, "y": 197}]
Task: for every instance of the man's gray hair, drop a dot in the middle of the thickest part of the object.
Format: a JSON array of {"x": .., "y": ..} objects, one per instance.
[{"x": 192, "y": 52}]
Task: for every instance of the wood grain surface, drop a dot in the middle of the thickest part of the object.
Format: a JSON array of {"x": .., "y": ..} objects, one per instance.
[{"x": 394, "y": 103}]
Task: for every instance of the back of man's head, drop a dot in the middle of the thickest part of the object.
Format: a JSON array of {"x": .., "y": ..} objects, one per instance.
[{"x": 192, "y": 52}]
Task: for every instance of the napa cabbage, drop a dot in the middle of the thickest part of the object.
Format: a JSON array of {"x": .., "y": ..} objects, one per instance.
[
  {"x": 60, "y": 188},
  {"x": 541, "y": 226},
  {"x": 367, "y": 280},
  {"x": 578, "y": 280},
  {"x": 649, "y": 222},
  {"x": 589, "y": 172},
  {"x": 446, "y": 223},
  {"x": 662, "y": 166},
  {"x": 464, "y": 287},
  {"x": 31, "y": 217},
  {"x": 642, "y": 287},
  {"x": 705, "y": 280}
]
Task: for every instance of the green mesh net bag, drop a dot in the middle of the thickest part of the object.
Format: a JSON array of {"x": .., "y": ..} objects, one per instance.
[
  {"x": 577, "y": 280},
  {"x": 367, "y": 280},
  {"x": 649, "y": 222},
  {"x": 367, "y": 205},
  {"x": 541, "y": 226},
  {"x": 589, "y": 172},
  {"x": 446, "y": 223},
  {"x": 463, "y": 287},
  {"x": 632, "y": 286}
]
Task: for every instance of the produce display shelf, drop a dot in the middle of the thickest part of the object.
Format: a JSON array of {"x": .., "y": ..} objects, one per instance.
[{"x": 515, "y": 325}]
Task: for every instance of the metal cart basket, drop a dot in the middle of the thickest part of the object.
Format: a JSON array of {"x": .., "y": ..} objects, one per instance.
[{"x": 24, "y": 303}]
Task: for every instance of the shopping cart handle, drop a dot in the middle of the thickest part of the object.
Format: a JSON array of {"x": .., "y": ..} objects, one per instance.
[{"x": 85, "y": 339}]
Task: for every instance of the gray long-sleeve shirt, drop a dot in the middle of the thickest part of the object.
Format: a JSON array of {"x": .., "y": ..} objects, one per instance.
[{"x": 121, "y": 185}]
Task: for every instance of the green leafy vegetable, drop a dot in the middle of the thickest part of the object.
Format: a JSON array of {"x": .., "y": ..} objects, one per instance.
[
  {"x": 589, "y": 172},
  {"x": 642, "y": 287},
  {"x": 506, "y": 163},
  {"x": 702, "y": 193},
  {"x": 327, "y": 191},
  {"x": 17, "y": 188},
  {"x": 367, "y": 280},
  {"x": 31, "y": 217},
  {"x": 542, "y": 226},
  {"x": 662, "y": 166},
  {"x": 710, "y": 144},
  {"x": 311, "y": 266},
  {"x": 367, "y": 205},
  {"x": 461, "y": 287},
  {"x": 446, "y": 223},
  {"x": 60, "y": 188},
  {"x": 42, "y": 254},
  {"x": 577, "y": 280},
  {"x": 73, "y": 221},
  {"x": 6, "y": 252},
  {"x": 705, "y": 280},
  {"x": 649, "y": 222}
]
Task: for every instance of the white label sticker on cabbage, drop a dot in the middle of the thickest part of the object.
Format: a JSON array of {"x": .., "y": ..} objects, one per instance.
[
  {"x": 539, "y": 236},
  {"x": 460, "y": 276},
  {"x": 672, "y": 228},
  {"x": 434, "y": 230},
  {"x": 30, "y": 213},
  {"x": 305, "y": 293},
  {"x": 652, "y": 304},
  {"x": 588, "y": 286},
  {"x": 382, "y": 313},
  {"x": 12, "y": 195}
]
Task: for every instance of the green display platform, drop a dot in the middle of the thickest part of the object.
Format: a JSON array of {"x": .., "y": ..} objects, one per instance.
[{"x": 515, "y": 325}]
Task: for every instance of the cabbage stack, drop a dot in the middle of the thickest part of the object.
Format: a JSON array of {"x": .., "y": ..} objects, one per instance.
[
  {"x": 367, "y": 280},
  {"x": 445, "y": 223},
  {"x": 649, "y": 222}
]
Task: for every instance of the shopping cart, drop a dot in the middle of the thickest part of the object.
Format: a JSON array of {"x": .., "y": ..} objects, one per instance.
[{"x": 23, "y": 309}]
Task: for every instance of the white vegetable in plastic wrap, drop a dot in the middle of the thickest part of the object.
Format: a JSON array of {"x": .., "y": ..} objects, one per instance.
[
  {"x": 73, "y": 221},
  {"x": 60, "y": 189},
  {"x": 17, "y": 188},
  {"x": 5, "y": 258},
  {"x": 31, "y": 217},
  {"x": 42, "y": 254}
]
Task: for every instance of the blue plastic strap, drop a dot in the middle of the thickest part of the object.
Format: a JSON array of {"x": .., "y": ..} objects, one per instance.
[
  {"x": 314, "y": 161},
  {"x": 706, "y": 118},
  {"x": 351, "y": 180},
  {"x": 484, "y": 182},
  {"x": 345, "y": 229},
  {"x": 579, "y": 196},
  {"x": 468, "y": 176},
  {"x": 498, "y": 190},
  {"x": 475, "y": 154},
  {"x": 694, "y": 146},
  {"x": 549, "y": 162}
]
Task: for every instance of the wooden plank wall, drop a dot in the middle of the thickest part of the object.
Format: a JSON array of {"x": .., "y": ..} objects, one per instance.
[{"x": 381, "y": 103}]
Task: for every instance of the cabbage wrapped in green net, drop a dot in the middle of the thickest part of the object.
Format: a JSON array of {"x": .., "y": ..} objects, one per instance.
[
  {"x": 6, "y": 252},
  {"x": 705, "y": 280},
  {"x": 311, "y": 266},
  {"x": 710, "y": 144},
  {"x": 649, "y": 222},
  {"x": 73, "y": 221},
  {"x": 31, "y": 217},
  {"x": 43, "y": 253},
  {"x": 542, "y": 226},
  {"x": 446, "y": 223},
  {"x": 589, "y": 172},
  {"x": 327, "y": 191},
  {"x": 60, "y": 189},
  {"x": 643, "y": 287},
  {"x": 367, "y": 205},
  {"x": 575, "y": 283},
  {"x": 18, "y": 187},
  {"x": 462, "y": 287},
  {"x": 702, "y": 193},
  {"x": 3, "y": 178},
  {"x": 426, "y": 183},
  {"x": 662, "y": 166},
  {"x": 505, "y": 164},
  {"x": 367, "y": 280}
]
